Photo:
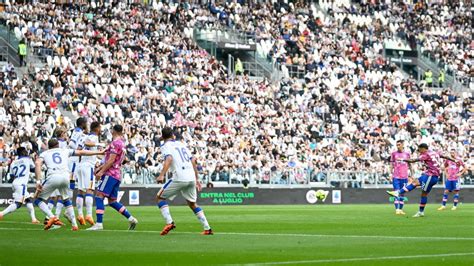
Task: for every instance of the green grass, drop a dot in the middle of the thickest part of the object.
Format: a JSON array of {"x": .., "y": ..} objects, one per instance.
[{"x": 251, "y": 235}]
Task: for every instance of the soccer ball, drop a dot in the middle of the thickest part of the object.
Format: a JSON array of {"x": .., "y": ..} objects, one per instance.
[{"x": 321, "y": 194}]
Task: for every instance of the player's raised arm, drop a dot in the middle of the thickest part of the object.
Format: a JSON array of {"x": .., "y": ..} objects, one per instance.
[
  {"x": 447, "y": 157},
  {"x": 166, "y": 166},
  {"x": 89, "y": 153}
]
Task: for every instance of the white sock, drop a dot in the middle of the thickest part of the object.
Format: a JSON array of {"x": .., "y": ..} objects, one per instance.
[
  {"x": 79, "y": 205},
  {"x": 59, "y": 208},
  {"x": 50, "y": 206},
  {"x": 89, "y": 203},
  {"x": 45, "y": 209},
  {"x": 202, "y": 218},
  {"x": 31, "y": 210},
  {"x": 70, "y": 193},
  {"x": 11, "y": 208},
  {"x": 70, "y": 213},
  {"x": 165, "y": 211}
]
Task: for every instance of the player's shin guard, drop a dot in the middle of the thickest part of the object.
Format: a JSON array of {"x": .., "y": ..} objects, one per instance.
[
  {"x": 31, "y": 210},
  {"x": 120, "y": 208},
  {"x": 407, "y": 188},
  {"x": 89, "y": 202},
  {"x": 165, "y": 211},
  {"x": 401, "y": 201},
  {"x": 445, "y": 199},
  {"x": 59, "y": 208},
  {"x": 99, "y": 209},
  {"x": 80, "y": 204},
  {"x": 43, "y": 207},
  {"x": 51, "y": 204},
  {"x": 70, "y": 212},
  {"x": 396, "y": 202},
  {"x": 202, "y": 218},
  {"x": 423, "y": 202},
  {"x": 456, "y": 199}
]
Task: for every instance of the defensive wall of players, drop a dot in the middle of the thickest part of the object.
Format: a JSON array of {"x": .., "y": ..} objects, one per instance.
[{"x": 145, "y": 196}]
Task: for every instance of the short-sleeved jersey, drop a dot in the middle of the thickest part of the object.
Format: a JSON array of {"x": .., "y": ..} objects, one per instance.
[
  {"x": 431, "y": 161},
  {"x": 74, "y": 142},
  {"x": 20, "y": 170},
  {"x": 181, "y": 167},
  {"x": 56, "y": 161},
  {"x": 90, "y": 160},
  {"x": 453, "y": 168},
  {"x": 117, "y": 147},
  {"x": 400, "y": 168}
]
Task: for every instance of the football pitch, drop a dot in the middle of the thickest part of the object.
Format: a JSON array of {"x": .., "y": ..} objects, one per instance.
[{"x": 252, "y": 235}]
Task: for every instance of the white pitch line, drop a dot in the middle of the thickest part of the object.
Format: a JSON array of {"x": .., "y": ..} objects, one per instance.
[
  {"x": 278, "y": 235},
  {"x": 357, "y": 259}
]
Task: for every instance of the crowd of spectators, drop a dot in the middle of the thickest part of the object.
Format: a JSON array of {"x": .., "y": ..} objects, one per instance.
[{"x": 139, "y": 66}]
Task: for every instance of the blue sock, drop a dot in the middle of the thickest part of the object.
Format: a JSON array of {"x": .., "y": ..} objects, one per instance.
[
  {"x": 51, "y": 201},
  {"x": 423, "y": 202},
  {"x": 67, "y": 203},
  {"x": 445, "y": 199},
  {"x": 395, "y": 202},
  {"x": 61, "y": 201},
  {"x": 456, "y": 199},
  {"x": 401, "y": 202},
  {"x": 120, "y": 208},
  {"x": 37, "y": 202},
  {"x": 408, "y": 188},
  {"x": 99, "y": 209}
]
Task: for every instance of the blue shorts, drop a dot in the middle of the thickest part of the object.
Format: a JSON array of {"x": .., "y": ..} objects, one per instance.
[
  {"x": 427, "y": 182},
  {"x": 108, "y": 186},
  {"x": 399, "y": 183},
  {"x": 453, "y": 185}
]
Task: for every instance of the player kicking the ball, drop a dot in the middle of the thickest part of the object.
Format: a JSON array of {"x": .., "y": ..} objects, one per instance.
[
  {"x": 452, "y": 173},
  {"x": 428, "y": 179},
  {"x": 185, "y": 180},
  {"x": 20, "y": 171},
  {"x": 56, "y": 160}
]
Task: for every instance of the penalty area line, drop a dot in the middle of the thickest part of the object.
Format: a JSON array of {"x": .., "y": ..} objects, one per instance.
[{"x": 358, "y": 259}]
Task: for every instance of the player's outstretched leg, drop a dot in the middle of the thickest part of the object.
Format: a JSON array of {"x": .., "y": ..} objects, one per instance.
[
  {"x": 31, "y": 211},
  {"x": 445, "y": 200},
  {"x": 201, "y": 217},
  {"x": 52, "y": 220},
  {"x": 99, "y": 211},
  {"x": 11, "y": 208},
  {"x": 165, "y": 212},
  {"x": 70, "y": 214},
  {"x": 408, "y": 188},
  {"x": 51, "y": 202},
  {"x": 59, "y": 207},
  {"x": 122, "y": 210},
  {"x": 456, "y": 200}
]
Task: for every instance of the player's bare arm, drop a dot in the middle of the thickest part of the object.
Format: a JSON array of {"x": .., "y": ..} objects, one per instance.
[
  {"x": 411, "y": 160},
  {"x": 196, "y": 174},
  {"x": 447, "y": 157},
  {"x": 166, "y": 166},
  {"x": 88, "y": 153}
]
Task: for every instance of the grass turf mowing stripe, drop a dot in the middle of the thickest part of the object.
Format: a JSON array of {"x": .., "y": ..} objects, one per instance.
[
  {"x": 268, "y": 234},
  {"x": 358, "y": 259}
]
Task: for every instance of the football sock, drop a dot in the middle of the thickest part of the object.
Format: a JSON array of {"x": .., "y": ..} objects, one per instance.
[
  {"x": 408, "y": 188},
  {"x": 31, "y": 210},
  {"x": 79, "y": 204},
  {"x": 423, "y": 202},
  {"x": 401, "y": 202},
  {"x": 165, "y": 211},
  {"x": 456, "y": 199},
  {"x": 51, "y": 204},
  {"x": 70, "y": 212},
  {"x": 445, "y": 199},
  {"x": 11, "y": 208},
  {"x": 202, "y": 218},
  {"x": 59, "y": 208},
  {"x": 99, "y": 209},
  {"x": 89, "y": 202},
  {"x": 44, "y": 208},
  {"x": 120, "y": 208}
]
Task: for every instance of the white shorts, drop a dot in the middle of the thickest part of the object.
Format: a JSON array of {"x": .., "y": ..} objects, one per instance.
[
  {"x": 20, "y": 193},
  {"x": 61, "y": 183},
  {"x": 171, "y": 189},
  {"x": 55, "y": 193},
  {"x": 85, "y": 178}
]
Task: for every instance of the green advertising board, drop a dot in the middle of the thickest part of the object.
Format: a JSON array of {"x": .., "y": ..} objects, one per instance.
[{"x": 227, "y": 197}]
